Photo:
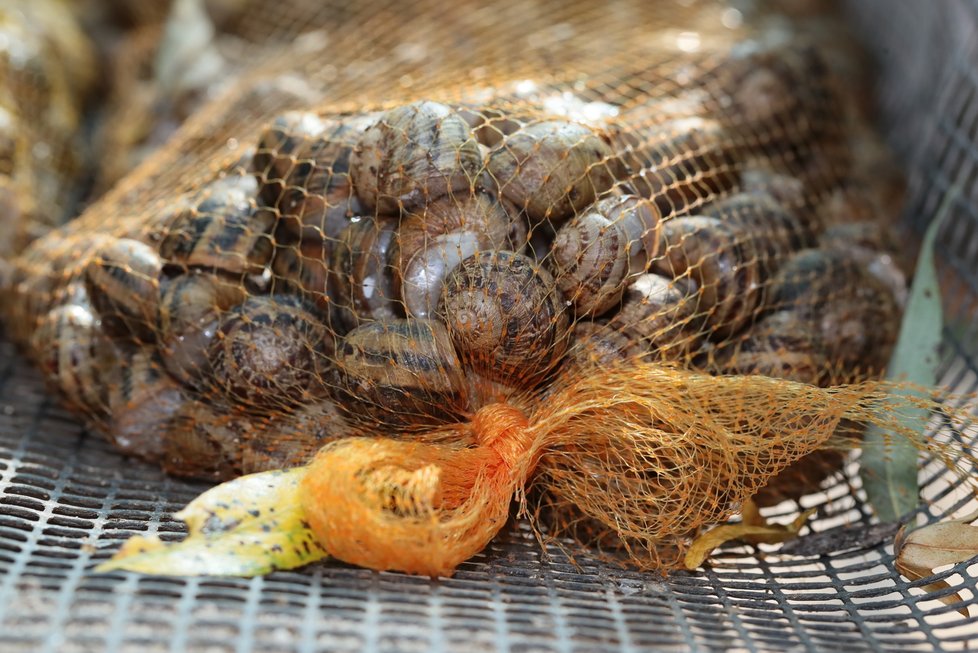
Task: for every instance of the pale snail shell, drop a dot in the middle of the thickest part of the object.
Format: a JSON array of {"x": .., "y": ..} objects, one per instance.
[
  {"x": 401, "y": 374},
  {"x": 553, "y": 169},
  {"x": 190, "y": 309},
  {"x": 506, "y": 318},
  {"x": 75, "y": 354},
  {"x": 597, "y": 252},
  {"x": 223, "y": 230},
  {"x": 412, "y": 154},
  {"x": 362, "y": 275},
  {"x": 434, "y": 240},
  {"x": 270, "y": 353},
  {"x": 661, "y": 316},
  {"x": 122, "y": 279}
]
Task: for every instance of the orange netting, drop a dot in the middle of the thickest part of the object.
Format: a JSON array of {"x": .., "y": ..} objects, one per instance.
[{"x": 518, "y": 242}]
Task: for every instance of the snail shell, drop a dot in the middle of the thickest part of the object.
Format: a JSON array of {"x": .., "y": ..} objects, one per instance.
[
  {"x": 304, "y": 267},
  {"x": 412, "y": 154},
  {"x": 434, "y": 240},
  {"x": 401, "y": 374},
  {"x": 191, "y": 307},
  {"x": 222, "y": 231},
  {"x": 505, "y": 317},
  {"x": 660, "y": 315},
  {"x": 143, "y": 399},
  {"x": 596, "y": 253},
  {"x": 269, "y": 353},
  {"x": 292, "y": 439},
  {"x": 871, "y": 245},
  {"x": 304, "y": 171},
  {"x": 75, "y": 354},
  {"x": 783, "y": 345},
  {"x": 678, "y": 164},
  {"x": 363, "y": 277},
  {"x": 774, "y": 232},
  {"x": 597, "y": 346},
  {"x": 553, "y": 169},
  {"x": 122, "y": 280},
  {"x": 203, "y": 440}
]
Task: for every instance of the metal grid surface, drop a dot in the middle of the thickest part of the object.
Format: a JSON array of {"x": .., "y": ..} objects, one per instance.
[{"x": 67, "y": 499}]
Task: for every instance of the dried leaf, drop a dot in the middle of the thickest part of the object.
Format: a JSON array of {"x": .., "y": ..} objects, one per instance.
[
  {"x": 753, "y": 529},
  {"x": 889, "y": 465},
  {"x": 924, "y": 549},
  {"x": 246, "y": 527}
]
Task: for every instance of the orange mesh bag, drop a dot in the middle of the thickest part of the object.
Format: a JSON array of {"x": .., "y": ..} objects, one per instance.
[{"x": 597, "y": 258}]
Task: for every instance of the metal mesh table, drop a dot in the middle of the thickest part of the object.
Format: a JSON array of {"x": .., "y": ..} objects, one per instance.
[{"x": 67, "y": 499}]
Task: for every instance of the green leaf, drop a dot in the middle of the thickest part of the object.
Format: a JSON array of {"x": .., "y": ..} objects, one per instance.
[
  {"x": 246, "y": 527},
  {"x": 889, "y": 464}
]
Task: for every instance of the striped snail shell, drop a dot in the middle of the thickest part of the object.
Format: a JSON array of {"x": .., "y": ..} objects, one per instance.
[
  {"x": 660, "y": 315},
  {"x": 122, "y": 279},
  {"x": 872, "y": 246},
  {"x": 506, "y": 318},
  {"x": 75, "y": 354},
  {"x": 143, "y": 399},
  {"x": 203, "y": 439},
  {"x": 304, "y": 268},
  {"x": 291, "y": 439},
  {"x": 597, "y": 253},
  {"x": 412, "y": 154},
  {"x": 432, "y": 241},
  {"x": 723, "y": 263},
  {"x": 597, "y": 346},
  {"x": 304, "y": 172},
  {"x": 222, "y": 230},
  {"x": 553, "y": 169},
  {"x": 191, "y": 306},
  {"x": 401, "y": 374},
  {"x": 784, "y": 345},
  {"x": 270, "y": 352},
  {"x": 362, "y": 275},
  {"x": 674, "y": 154},
  {"x": 776, "y": 232}
]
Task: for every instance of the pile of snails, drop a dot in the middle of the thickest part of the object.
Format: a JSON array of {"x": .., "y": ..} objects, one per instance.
[{"x": 390, "y": 271}]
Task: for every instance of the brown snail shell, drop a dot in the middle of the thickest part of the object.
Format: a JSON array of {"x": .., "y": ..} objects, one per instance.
[
  {"x": 191, "y": 307},
  {"x": 679, "y": 164},
  {"x": 661, "y": 316},
  {"x": 363, "y": 276},
  {"x": 204, "y": 440},
  {"x": 122, "y": 279},
  {"x": 412, "y": 154},
  {"x": 783, "y": 345},
  {"x": 270, "y": 353},
  {"x": 434, "y": 240},
  {"x": 304, "y": 172},
  {"x": 598, "y": 252},
  {"x": 596, "y": 346},
  {"x": 401, "y": 374},
  {"x": 143, "y": 398},
  {"x": 304, "y": 268},
  {"x": 553, "y": 169},
  {"x": 292, "y": 439},
  {"x": 223, "y": 230},
  {"x": 506, "y": 318},
  {"x": 723, "y": 263},
  {"x": 75, "y": 354}
]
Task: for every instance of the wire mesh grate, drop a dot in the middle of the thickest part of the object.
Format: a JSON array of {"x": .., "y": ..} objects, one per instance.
[{"x": 67, "y": 499}]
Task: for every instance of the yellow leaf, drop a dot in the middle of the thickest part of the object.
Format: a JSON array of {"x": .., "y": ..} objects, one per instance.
[
  {"x": 752, "y": 529},
  {"x": 246, "y": 527}
]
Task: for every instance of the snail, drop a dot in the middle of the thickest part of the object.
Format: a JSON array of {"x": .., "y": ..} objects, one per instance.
[
  {"x": 75, "y": 354},
  {"x": 303, "y": 170},
  {"x": 304, "y": 268},
  {"x": 597, "y": 252},
  {"x": 432, "y": 241},
  {"x": 871, "y": 245},
  {"x": 596, "y": 346},
  {"x": 222, "y": 230},
  {"x": 553, "y": 169},
  {"x": 204, "y": 439},
  {"x": 661, "y": 316},
  {"x": 122, "y": 279},
  {"x": 506, "y": 318},
  {"x": 362, "y": 274},
  {"x": 680, "y": 163},
  {"x": 142, "y": 400},
  {"x": 293, "y": 438},
  {"x": 401, "y": 374},
  {"x": 191, "y": 306},
  {"x": 270, "y": 353},
  {"x": 412, "y": 154}
]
